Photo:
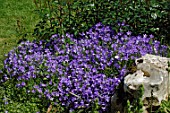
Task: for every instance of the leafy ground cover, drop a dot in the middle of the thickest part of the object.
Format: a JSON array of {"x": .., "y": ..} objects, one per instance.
[
  {"x": 74, "y": 73},
  {"x": 71, "y": 74}
]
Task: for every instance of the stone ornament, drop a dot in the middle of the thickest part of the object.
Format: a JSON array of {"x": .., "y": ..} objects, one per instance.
[{"x": 151, "y": 72}]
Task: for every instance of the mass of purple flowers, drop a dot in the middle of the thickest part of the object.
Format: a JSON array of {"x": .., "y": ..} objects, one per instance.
[{"x": 72, "y": 71}]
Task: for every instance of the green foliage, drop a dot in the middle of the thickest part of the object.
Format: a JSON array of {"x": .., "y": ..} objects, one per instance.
[
  {"x": 9, "y": 101},
  {"x": 94, "y": 108},
  {"x": 136, "y": 105},
  {"x": 164, "y": 108},
  {"x": 129, "y": 107},
  {"x": 16, "y": 100},
  {"x": 142, "y": 16}
]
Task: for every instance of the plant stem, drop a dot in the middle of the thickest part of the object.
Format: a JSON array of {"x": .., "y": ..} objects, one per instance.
[
  {"x": 151, "y": 99},
  {"x": 168, "y": 78}
]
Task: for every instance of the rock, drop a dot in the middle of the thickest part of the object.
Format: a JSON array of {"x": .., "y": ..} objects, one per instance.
[
  {"x": 116, "y": 104},
  {"x": 153, "y": 75}
]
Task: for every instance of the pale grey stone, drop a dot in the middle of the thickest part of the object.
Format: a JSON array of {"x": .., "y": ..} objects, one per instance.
[{"x": 153, "y": 75}]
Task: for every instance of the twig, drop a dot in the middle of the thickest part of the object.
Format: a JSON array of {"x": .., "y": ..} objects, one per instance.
[
  {"x": 55, "y": 111},
  {"x": 49, "y": 109},
  {"x": 74, "y": 95}
]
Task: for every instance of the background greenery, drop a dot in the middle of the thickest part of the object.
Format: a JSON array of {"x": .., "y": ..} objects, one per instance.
[
  {"x": 142, "y": 16},
  {"x": 19, "y": 19}
]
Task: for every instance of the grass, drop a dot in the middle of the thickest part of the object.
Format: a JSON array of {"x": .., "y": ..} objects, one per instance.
[{"x": 16, "y": 18}]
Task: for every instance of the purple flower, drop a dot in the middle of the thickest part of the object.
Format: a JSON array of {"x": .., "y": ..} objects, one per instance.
[
  {"x": 39, "y": 90},
  {"x": 145, "y": 36},
  {"x": 129, "y": 33},
  {"x": 43, "y": 85},
  {"x": 18, "y": 85},
  {"x": 5, "y": 101},
  {"x": 23, "y": 84},
  {"x": 33, "y": 91},
  {"x": 77, "y": 74}
]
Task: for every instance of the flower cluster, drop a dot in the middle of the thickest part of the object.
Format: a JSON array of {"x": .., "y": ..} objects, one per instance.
[{"x": 77, "y": 71}]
